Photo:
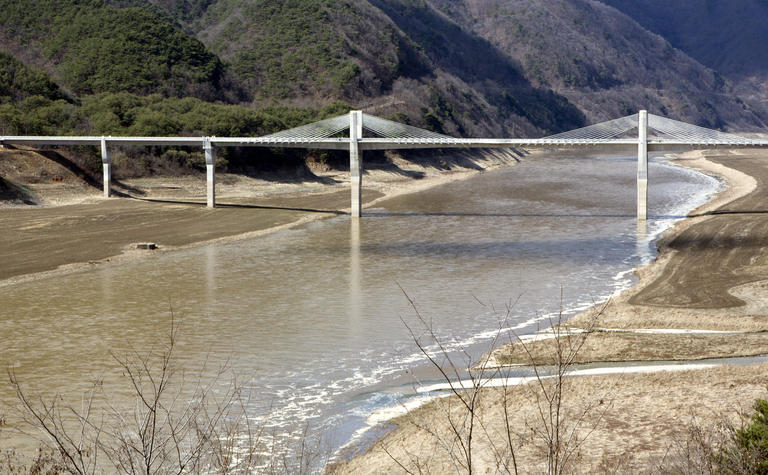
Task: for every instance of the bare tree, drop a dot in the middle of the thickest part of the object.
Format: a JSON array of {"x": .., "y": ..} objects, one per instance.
[
  {"x": 76, "y": 448},
  {"x": 465, "y": 382},
  {"x": 175, "y": 424},
  {"x": 560, "y": 432}
]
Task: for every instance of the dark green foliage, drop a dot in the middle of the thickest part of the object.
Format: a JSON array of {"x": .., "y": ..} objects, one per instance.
[
  {"x": 179, "y": 10},
  {"x": 98, "y": 48},
  {"x": 38, "y": 115},
  {"x": 124, "y": 114},
  {"x": 752, "y": 440},
  {"x": 18, "y": 81},
  {"x": 289, "y": 45},
  {"x": 154, "y": 115},
  {"x": 433, "y": 121}
]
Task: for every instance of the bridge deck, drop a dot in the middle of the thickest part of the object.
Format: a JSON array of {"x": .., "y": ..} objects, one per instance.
[
  {"x": 672, "y": 135},
  {"x": 369, "y": 143}
]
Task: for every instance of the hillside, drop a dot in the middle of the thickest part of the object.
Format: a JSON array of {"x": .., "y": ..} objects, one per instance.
[
  {"x": 90, "y": 47},
  {"x": 724, "y": 35},
  {"x": 462, "y": 67},
  {"x": 309, "y": 51},
  {"x": 603, "y": 61},
  {"x": 18, "y": 81}
]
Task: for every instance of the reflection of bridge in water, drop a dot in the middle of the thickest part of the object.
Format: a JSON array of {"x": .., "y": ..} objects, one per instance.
[{"x": 645, "y": 131}]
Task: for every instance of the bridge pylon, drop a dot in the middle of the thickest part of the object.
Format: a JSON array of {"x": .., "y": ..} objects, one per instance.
[
  {"x": 642, "y": 166},
  {"x": 210, "y": 172},
  {"x": 355, "y": 162},
  {"x": 106, "y": 165}
]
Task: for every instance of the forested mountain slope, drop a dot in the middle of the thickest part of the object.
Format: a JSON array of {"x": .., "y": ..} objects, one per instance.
[
  {"x": 90, "y": 47},
  {"x": 506, "y": 52},
  {"x": 602, "y": 61},
  {"x": 462, "y": 67},
  {"x": 18, "y": 81},
  {"x": 309, "y": 51},
  {"x": 726, "y": 35}
]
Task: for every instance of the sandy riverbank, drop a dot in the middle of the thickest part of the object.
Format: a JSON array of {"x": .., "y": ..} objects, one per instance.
[
  {"x": 75, "y": 228},
  {"x": 711, "y": 276}
]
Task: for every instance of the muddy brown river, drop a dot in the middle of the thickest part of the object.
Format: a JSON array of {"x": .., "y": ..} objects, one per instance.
[{"x": 312, "y": 318}]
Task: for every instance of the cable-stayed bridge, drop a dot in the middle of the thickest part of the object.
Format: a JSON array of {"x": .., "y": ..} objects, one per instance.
[{"x": 358, "y": 132}]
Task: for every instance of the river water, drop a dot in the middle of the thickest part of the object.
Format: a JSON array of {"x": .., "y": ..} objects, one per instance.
[{"x": 313, "y": 319}]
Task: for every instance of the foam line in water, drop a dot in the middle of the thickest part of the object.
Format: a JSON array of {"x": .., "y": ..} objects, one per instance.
[{"x": 388, "y": 413}]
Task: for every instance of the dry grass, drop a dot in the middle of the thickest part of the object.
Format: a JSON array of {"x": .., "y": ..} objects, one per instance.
[
  {"x": 619, "y": 315},
  {"x": 637, "y": 417},
  {"x": 615, "y": 346}
]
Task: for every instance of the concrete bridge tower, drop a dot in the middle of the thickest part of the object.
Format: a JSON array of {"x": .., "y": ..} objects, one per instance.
[{"x": 642, "y": 166}]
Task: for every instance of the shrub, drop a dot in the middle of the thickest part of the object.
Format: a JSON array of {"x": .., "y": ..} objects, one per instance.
[{"x": 752, "y": 440}]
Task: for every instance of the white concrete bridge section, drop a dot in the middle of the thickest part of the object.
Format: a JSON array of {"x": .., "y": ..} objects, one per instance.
[
  {"x": 356, "y": 132},
  {"x": 655, "y": 133}
]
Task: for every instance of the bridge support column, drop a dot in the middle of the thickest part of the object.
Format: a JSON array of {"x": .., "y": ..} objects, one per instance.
[
  {"x": 642, "y": 166},
  {"x": 210, "y": 172},
  {"x": 355, "y": 162},
  {"x": 106, "y": 164}
]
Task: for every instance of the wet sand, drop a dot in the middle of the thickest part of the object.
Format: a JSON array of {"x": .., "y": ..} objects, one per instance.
[
  {"x": 633, "y": 423},
  {"x": 725, "y": 250},
  {"x": 35, "y": 240},
  {"x": 711, "y": 276},
  {"x": 81, "y": 229}
]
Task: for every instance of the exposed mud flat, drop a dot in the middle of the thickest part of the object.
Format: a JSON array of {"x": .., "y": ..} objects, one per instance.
[{"x": 55, "y": 221}]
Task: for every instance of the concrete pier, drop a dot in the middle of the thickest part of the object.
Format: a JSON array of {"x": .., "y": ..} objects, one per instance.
[
  {"x": 210, "y": 171},
  {"x": 355, "y": 162},
  {"x": 106, "y": 164},
  {"x": 642, "y": 166}
]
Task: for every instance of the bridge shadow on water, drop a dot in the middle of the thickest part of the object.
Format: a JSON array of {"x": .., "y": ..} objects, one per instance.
[
  {"x": 408, "y": 214},
  {"x": 374, "y": 214},
  {"x": 200, "y": 204}
]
